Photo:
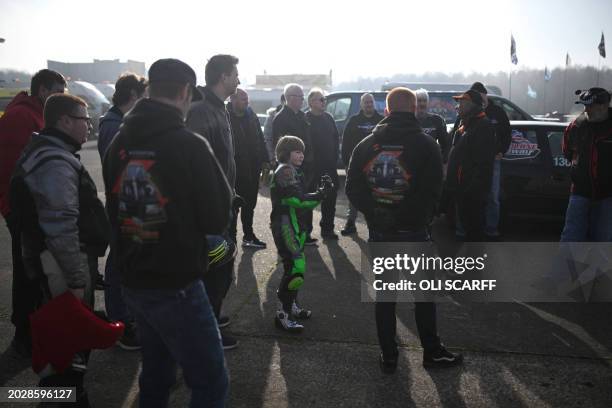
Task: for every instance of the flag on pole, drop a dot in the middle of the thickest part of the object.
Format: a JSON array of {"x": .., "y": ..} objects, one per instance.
[
  {"x": 513, "y": 57},
  {"x": 568, "y": 60},
  {"x": 602, "y": 46},
  {"x": 547, "y": 75},
  {"x": 531, "y": 93}
]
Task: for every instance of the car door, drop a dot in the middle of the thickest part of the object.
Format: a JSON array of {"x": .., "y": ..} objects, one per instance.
[
  {"x": 526, "y": 170},
  {"x": 340, "y": 108}
]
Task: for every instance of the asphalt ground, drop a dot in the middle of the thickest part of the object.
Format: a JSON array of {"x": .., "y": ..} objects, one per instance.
[{"x": 516, "y": 355}]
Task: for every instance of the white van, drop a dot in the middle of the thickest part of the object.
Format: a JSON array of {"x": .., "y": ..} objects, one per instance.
[{"x": 98, "y": 104}]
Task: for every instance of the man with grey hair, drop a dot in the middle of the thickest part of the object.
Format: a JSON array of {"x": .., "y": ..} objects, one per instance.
[
  {"x": 326, "y": 143},
  {"x": 292, "y": 121},
  {"x": 358, "y": 127},
  {"x": 432, "y": 124}
]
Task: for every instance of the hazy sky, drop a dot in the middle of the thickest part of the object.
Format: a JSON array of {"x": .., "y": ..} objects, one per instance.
[{"x": 354, "y": 38}]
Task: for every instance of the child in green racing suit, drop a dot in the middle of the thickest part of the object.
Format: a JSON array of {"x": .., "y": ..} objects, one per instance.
[{"x": 288, "y": 200}]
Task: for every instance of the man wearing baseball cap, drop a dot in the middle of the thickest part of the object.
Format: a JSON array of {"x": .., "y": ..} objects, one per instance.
[
  {"x": 166, "y": 192},
  {"x": 587, "y": 143},
  {"x": 470, "y": 165},
  {"x": 503, "y": 134}
]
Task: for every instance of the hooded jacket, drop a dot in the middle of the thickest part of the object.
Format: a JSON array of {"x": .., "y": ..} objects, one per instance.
[
  {"x": 395, "y": 175},
  {"x": 23, "y": 116},
  {"x": 165, "y": 192},
  {"x": 357, "y": 128},
  {"x": 209, "y": 117},
  {"x": 470, "y": 165},
  {"x": 589, "y": 147},
  {"x": 108, "y": 128}
]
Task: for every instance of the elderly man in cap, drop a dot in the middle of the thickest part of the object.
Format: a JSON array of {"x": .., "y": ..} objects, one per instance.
[
  {"x": 470, "y": 165},
  {"x": 161, "y": 218},
  {"x": 503, "y": 134},
  {"x": 587, "y": 143}
]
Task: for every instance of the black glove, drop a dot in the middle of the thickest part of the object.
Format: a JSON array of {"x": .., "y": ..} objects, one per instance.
[
  {"x": 237, "y": 202},
  {"x": 326, "y": 185}
]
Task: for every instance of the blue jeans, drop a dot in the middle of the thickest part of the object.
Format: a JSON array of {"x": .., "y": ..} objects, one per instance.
[
  {"x": 587, "y": 220},
  {"x": 116, "y": 309},
  {"x": 178, "y": 326},
  {"x": 493, "y": 201}
]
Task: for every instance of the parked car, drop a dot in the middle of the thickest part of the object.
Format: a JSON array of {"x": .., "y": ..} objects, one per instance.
[
  {"x": 535, "y": 178},
  {"x": 108, "y": 90}
]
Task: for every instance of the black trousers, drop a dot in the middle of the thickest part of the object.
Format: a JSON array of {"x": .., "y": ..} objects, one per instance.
[
  {"x": 471, "y": 209},
  {"x": 424, "y": 312},
  {"x": 26, "y": 291},
  {"x": 248, "y": 190},
  {"x": 328, "y": 205},
  {"x": 217, "y": 282}
]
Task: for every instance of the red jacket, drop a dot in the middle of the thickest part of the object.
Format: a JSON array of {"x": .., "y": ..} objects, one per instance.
[{"x": 23, "y": 116}]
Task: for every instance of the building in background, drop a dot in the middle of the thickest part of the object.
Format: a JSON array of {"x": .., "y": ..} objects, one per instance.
[
  {"x": 267, "y": 90},
  {"x": 98, "y": 71}
]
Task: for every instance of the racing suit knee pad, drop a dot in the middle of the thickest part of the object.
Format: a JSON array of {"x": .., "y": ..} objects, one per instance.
[{"x": 295, "y": 282}]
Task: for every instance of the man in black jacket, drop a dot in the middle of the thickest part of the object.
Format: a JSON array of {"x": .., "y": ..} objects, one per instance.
[
  {"x": 470, "y": 165},
  {"x": 413, "y": 166},
  {"x": 326, "y": 143},
  {"x": 208, "y": 117},
  {"x": 357, "y": 128},
  {"x": 167, "y": 191},
  {"x": 250, "y": 156},
  {"x": 432, "y": 124},
  {"x": 503, "y": 134}
]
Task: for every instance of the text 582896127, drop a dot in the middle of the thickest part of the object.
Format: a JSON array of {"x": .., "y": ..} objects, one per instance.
[{"x": 37, "y": 394}]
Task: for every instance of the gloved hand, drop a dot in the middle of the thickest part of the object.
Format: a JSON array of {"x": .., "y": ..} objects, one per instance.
[
  {"x": 237, "y": 202},
  {"x": 326, "y": 185}
]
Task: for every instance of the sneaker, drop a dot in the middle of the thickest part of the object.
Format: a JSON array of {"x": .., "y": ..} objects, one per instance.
[
  {"x": 129, "y": 341},
  {"x": 329, "y": 235},
  {"x": 310, "y": 241},
  {"x": 252, "y": 242},
  {"x": 300, "y": 313},
  {"x": 387, "y": 366},
  {"x": 348, "y": 229},
  {"x": 441, "y": 358},
  {"x": 229, "y": 343},
  {"x": 283, "y": 322},
  {"x": 223, "y": 321}
]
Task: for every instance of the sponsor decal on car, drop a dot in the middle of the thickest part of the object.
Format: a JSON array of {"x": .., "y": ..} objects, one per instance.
[{"x": 521, "y": 147}]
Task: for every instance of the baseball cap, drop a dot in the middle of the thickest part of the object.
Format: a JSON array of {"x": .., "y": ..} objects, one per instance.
[
  {"x": 470, "y": 95},
  {"x": 172, "y": 70},
  {"x": 479, "y": 87},
  {"x": 593, "y": 95}
]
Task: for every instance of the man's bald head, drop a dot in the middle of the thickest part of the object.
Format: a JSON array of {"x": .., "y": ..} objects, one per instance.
[{"x": 401, "y": 100}]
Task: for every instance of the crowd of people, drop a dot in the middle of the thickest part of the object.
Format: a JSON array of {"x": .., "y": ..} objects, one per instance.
[{"x": 181, "y": 161}]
